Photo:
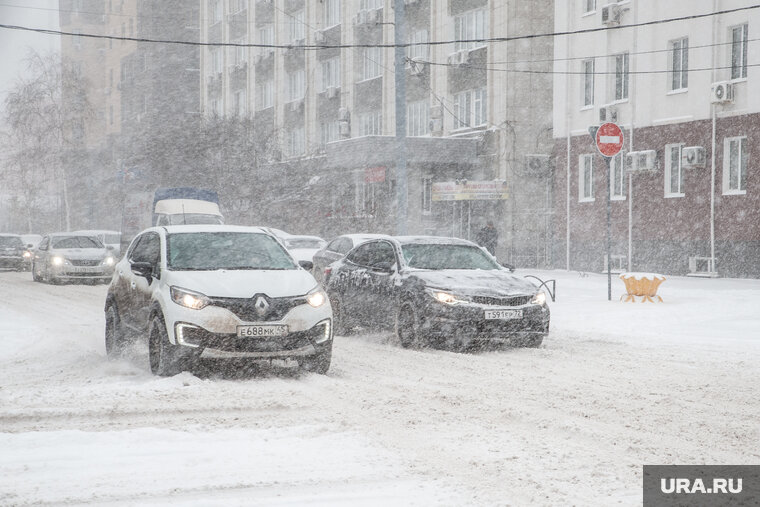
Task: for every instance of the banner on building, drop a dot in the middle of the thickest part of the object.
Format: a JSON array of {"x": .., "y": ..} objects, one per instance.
[
  {"x": 374, "y": 175},
  {"x": 463, "y": 190}
]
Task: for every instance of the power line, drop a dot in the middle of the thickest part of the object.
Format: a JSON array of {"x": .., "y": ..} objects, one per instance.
[
  {"x": 409, "y": 44},
  {"x": 570, "y": 72}
]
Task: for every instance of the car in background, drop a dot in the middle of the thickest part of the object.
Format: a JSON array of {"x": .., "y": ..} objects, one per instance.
[
  {"x": 12, "y": 250},
  {"x": 435, "y": 291},
  {"x": 218, "y": 292},
  {"x": 108, "y": 238},
  {"x": 69, "y": 256},
  {"x": 303, "y": 248},
  {"x": 335, "y": 250}
]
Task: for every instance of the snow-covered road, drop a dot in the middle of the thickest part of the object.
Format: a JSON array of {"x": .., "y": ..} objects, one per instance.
[{"x": 615, "y": 386}]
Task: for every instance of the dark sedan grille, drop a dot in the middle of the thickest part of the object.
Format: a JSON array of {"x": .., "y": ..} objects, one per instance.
[
  {"x": 502, "y": 301},
  {"x": 245, "y": 308},
  {"x": 84, "y": 262}
]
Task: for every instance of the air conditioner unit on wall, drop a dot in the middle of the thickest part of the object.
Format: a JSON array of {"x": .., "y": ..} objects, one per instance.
[
  {"x": 637, "y": 161},
  {"x": 611, "y": 14},
  {"x": 693, "y": 157},
  {"x": 319, "y": 36},
  {"x": 722, "y": 92},
  {"x": 343, "y": 114},
  {"x": 361, "y": 17},
  {"x": 373, "y": 16},
  {"x": 608, "y": 113},
  {"x": 331, "y": 92}
]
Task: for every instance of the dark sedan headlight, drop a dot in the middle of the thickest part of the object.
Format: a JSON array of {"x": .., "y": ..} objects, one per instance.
[
  {"x": 27, "y": 254},
  {"x": 109, "y": 261},
  {"x": 445, "y": 297},
  {"x": 538, "y": 299}
]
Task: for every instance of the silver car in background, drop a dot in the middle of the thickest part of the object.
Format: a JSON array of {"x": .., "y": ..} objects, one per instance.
[
  {"x": 335, "y": 250},
  {"x": 67, "y": 256}
]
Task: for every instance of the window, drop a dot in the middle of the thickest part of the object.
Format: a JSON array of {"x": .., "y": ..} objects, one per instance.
[
  {"x": 216, "y": 60},
  {"x": 735, "y": 165},
  {"x": 586, "y": 178},
  {"x": 328, "y": 132},
  {"x": 679, "y": 64},
  {"x": 364, "y": 198},
  {"x": 372, "y": 61},
  {"x": 468, "y": 26},
  {"x": 739, "y": 52},
  {"x": 589, "y": 6},
  {"x": 265, "y": 94},
  {"x": 371, "y": 123},
  {"x": 330, "y": 73},
  {"x": 239, "y": 103},
  {"x": 417, "y": 118},
  {"x": 470, "y": 108},
  {"x": 617, "y": 177},
  {"x": 296, "y": 85},
  {"x": 297, "y": 31},
  {"x": 419, "y": 52},
  {"x": 216, "y": 11},
  {"x": 147, "y": 249},
  {"x": 332, "y": 12},
  {"x": 588, "y": 82},
  {"x": 674, "y": 176},
  {"x": 427, "y": 195},
  {"x": 238, "y": 55},
  {"x": 365, "y": 5},
  {"x": 265, "y": 35},
  {"x": 296, "y": 142},
  {"x": 621, "y": 76}
]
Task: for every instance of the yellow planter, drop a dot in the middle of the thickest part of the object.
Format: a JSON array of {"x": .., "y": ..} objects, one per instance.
[{"x": 643, "y": 285}]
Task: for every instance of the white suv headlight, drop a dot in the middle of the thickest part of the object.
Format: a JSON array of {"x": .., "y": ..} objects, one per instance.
[
  {"x": 109, "y": 261},
  {"x": 188, "y": 298},
  {"x": 316, "y": 297}
]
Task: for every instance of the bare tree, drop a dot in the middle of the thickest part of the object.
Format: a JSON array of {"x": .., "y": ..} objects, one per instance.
[{"x": 44, "y": 116}]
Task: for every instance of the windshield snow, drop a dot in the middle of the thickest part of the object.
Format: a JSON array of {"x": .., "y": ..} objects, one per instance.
[
  {"x": 446, "y": 257},
  {"x": 76, "y": 242},
  {"x": 206, "y": 251}
]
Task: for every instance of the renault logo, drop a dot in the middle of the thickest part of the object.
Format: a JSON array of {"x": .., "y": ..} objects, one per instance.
[{"x": 261, "y": 305}]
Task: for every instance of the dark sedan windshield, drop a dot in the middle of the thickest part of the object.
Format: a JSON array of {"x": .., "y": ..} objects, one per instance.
[
  {"x": 76, "y": 242},
  {"x": 441, "y": 256},
  {"x": 207, "y": 251},
  {"x": 11, "y": 242}
]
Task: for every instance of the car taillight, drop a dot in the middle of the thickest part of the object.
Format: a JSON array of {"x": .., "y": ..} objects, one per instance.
[{"x": 328, "y": 270}]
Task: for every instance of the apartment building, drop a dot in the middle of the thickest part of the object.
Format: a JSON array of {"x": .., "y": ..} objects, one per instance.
[
  {"x": 136, "y": 92},
  {"x": 685, "y": 195},
  {"x": 320, "y": 90}
]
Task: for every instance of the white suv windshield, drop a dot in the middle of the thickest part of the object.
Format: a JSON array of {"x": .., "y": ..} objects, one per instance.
[
  {"x": 438, "y": 256},
  {"x": 207, "y": 251}
]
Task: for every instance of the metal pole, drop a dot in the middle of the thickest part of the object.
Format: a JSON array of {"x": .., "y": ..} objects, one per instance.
[
  {"x": 400, "y": 76},
  {"x": 609, "y": 235}
]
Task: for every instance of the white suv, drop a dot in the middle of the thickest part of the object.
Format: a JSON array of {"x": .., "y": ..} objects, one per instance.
[{"x": 216, "y": 291}]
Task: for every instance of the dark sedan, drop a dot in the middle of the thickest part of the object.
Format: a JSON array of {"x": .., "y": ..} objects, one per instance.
[
  {"x": 435, "y": 291},
  {"x": 337, "y": 249},
  {"x": 12, "y": 252}
]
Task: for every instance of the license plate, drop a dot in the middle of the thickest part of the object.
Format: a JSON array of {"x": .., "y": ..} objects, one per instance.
[
  {"x": 261, "y": 331},
  {"x": 503, "y": 314},
  {"x": 78, "y": 269}
]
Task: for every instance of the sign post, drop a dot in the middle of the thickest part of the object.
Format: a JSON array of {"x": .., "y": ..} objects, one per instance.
[{"x": 609, "y": 141}]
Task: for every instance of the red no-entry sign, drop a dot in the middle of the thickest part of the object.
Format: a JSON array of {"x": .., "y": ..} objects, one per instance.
[{"x": 609, "y": 139}]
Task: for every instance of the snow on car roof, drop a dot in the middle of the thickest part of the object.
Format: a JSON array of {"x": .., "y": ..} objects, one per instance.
[
  {"x": 432, "y": 240},
  {"x": 174, "y": 229},
  {"x": 96, "y": 231}
]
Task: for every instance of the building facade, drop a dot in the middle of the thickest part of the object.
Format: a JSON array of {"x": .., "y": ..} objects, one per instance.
[
  {"x": 320, "y": 92},
  {"x": 687, "y": 199},
  {"x": 137, "y": 93}
]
